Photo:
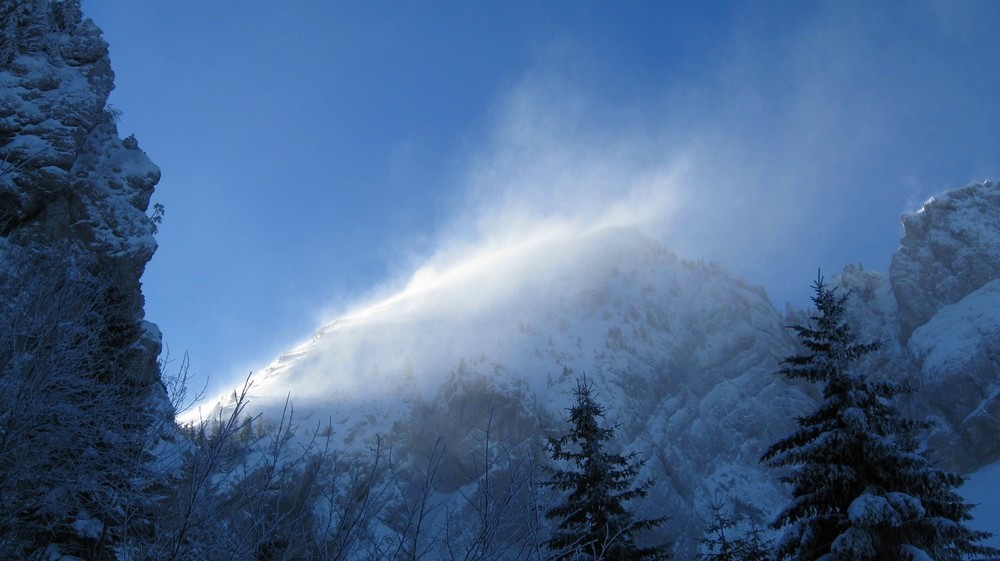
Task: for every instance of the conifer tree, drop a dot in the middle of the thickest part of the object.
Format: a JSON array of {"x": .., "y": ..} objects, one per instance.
[
  {"x": 593, "y": 522},
  {"x": 861, "y": 487},
  {"x": 726, "y": 541}
]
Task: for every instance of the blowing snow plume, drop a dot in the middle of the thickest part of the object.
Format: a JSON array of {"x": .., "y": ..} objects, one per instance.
[
  {"x": 555, "y": 264},
  {"x": 790, "y": 150},
  {"x": 539, "y": 198}
]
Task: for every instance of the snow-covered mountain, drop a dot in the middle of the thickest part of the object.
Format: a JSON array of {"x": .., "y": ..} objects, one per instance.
[
  {"x": 939, "y": 307},
  {"x": 683, "y": 354}
]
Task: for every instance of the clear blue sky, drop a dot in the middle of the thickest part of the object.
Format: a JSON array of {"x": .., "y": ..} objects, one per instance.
[{"x": 313, "y": 152}]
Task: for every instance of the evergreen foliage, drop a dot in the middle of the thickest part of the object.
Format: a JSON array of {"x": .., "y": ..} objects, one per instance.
[
  {"x": 726, "y": 542},
  {"x": 593, "y": 521},
  {"x": 861, "y": 486}
]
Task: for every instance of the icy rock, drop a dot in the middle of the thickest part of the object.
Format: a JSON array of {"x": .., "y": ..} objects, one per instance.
[
  {"x": 66, "y": 178},
  {"x": 935, "y": 316},
  {"x": 950, "y": 248},
  {"x": 958, "y": 354},
  {"x": 682, "y": 354},
  {"x": 69, "y": 185}
]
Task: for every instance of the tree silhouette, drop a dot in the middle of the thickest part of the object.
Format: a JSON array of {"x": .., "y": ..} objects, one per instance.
[
  {"x": 593, "y": 521},
  {"x": 862, "y": 488}
]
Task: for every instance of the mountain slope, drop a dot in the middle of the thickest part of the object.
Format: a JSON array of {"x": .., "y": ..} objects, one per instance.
[
  {"x": 944, "y": 338},
  {"x": 682, "y": 354}
]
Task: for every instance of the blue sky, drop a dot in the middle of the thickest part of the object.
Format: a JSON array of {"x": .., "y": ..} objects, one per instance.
[{"x": 317, "y": 153}]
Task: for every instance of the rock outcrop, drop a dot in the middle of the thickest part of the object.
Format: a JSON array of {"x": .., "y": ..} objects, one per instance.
[
  {"x": 951, "y": 247},
  {"x": 81, "y": 401},
  {"x": 945, "y": 279},
  {"x": 683, "y": 354},
  {"x": 66, "y": 178},
  {"x": 936, "y": 315}
]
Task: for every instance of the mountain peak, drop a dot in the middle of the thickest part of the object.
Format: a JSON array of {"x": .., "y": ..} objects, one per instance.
[
  {"x": 950, "y": 248},
  {"x": 471, "y": 307}
]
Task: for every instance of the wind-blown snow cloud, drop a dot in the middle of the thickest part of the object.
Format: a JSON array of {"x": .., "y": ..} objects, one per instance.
[
  {"x": 790, "y": 152},
  {"x": 795, "y": 147}
]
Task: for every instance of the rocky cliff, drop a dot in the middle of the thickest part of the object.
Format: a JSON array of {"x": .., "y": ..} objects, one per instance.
[
  {"x": 66, "y": 178},
  {"x": 945, "y": 281},
  {"x": 936, "y": 313},
  {"x": 80, "y": 391},
  {"x": 682, "y": 354},
  {"x": 950, "y": 249}
]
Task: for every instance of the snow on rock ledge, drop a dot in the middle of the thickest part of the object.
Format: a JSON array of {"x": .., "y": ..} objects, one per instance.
[
  {"x": 946, "y": 282},
  {"x": 951, "y": 247},
  {"x": 66, "y": 178},
  {"x": 958, "y": 351}
]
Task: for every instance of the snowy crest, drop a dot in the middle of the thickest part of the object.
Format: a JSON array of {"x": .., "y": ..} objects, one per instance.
[{"x": 682, "y": 354}]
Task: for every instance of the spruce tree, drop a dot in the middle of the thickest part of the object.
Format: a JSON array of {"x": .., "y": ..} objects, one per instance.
[
  {"x": 862, "y": 488},
  {"x": 729, "y": 538},
  {"x": 593, "y": 522}
]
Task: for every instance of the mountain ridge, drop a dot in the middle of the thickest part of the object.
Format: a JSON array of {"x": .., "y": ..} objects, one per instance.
[
  {"x": 682, "y": 353},
  {"x": 659, "y": 336}
]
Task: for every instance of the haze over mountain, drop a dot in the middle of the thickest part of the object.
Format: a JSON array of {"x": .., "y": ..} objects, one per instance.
[
  {"x": 442, "y": 391},
  {"x": 316, "y": 151},
  {"x": 683, "y": 353}
]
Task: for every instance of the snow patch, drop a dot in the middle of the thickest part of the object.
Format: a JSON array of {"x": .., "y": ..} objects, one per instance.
[
  {"x": 983, "y": 489},
  {"x": 959, "y": 331}
]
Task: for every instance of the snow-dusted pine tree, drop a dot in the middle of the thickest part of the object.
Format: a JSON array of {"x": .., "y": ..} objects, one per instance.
[
  {"x": 593, "y": 523},
  {"x": 729, "y": 538},
  {"x": 862, "y": 488}
]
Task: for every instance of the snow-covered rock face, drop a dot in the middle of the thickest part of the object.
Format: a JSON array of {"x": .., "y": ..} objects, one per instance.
[
  {"x": 682, "y": 355},
  {"x": 958, "y": 355},
  {"x": 935, "y": 314},
  {"x": 951, "y": 248},
  {"x": 66, "y": 178},
  {"x": 80, "y": 386},
  {"x": 947, "y": 340}
]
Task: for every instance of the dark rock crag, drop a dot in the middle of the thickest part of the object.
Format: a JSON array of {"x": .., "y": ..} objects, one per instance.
[
  {"x": 66, "y": 178},
  {"x": 81, "y": 399}
]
